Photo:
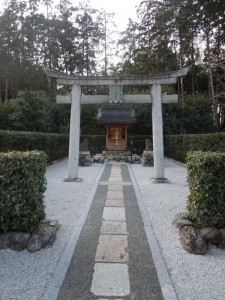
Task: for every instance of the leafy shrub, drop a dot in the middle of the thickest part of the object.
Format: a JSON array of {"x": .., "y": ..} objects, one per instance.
[
  {"x": 197, "y": 115},
  {"x": 33, "y": 113},
  {"x": 172, "y": 118},
  {"x": 173, "y": 147},
  {"x": 206, "y": 177},
  {"x": 7, "y": 108},
  {"x": 22, "y": 184}
]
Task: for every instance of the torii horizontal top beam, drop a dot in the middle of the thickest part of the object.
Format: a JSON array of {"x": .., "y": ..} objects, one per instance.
[{"x": 161, "y": 78}]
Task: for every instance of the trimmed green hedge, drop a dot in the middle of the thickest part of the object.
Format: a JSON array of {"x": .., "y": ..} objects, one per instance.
[
  {"x": 206, "y": 178},
  {"x": 22, "y": 184},
  {"x": 177, "y": 146},
  {"x": 96, "y": 142},
  {"x": 138, "y": 143},
  {"x": 55, "y": 145}
]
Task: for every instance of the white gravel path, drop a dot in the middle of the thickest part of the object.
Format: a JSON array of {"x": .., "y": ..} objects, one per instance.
[
  {"x": 194, "y": 277},
  {"x": 25, "y": 276}
]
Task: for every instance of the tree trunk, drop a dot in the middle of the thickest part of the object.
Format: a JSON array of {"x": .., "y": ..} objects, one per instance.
[
  {"x": 211, "y": 84},
  {"x": 193, "y": 76},
  {"x": 105, "y": 45},
  {"x": 6, "y": 89},
  {"x": 0, "y": 90},
  {"x": 181, "y": 82}
]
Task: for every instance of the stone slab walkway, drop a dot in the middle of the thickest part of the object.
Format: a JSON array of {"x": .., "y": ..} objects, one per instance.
[{"x": 112, "y": 258}]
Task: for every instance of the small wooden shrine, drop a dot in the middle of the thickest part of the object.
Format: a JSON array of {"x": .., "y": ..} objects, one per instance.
[{"x": 116, "y": 117}]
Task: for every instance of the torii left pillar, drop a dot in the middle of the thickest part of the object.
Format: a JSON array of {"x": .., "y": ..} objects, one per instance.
[
  {"x": 74, "y": 142},
  {"x": 157, "y": 133}
]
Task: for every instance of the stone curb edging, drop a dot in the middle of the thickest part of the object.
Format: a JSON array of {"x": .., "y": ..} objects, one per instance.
[
  {"x": 57, "y": 160},
  {"x": 162, "y": 272},
  {"x": 62, "y": 267}
]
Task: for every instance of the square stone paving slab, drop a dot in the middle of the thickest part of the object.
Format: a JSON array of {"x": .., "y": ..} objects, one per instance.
[
  {"x": 113, "y": 227},
  {"x": 112, "y": 248},
  {"x": 114, "y": 214},
  {"x": 116, "y": 187},
  {"x": 115, "y": 178},
  {"x": 115, "y": 195},
  {"x": 108, "y": 299},
  {"x": 121, "y": 198},
  {"x": 114, "y": 203},
  {"x": 115, "y": 174},
  {"x": 115, "y": 183},
  {"x": 110, "y": 280}
]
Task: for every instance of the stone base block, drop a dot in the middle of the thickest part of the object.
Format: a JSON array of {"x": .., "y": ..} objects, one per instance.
[
  {"x": 160, "y": 180},
  {"x": 147, "y": 159},
  {"x": 99, "y": 158},
  {"x": 73, "y": 179},
  {"x": 85, "y": 159}
]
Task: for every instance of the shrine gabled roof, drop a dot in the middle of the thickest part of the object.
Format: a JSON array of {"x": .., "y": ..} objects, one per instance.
[{"x": 116, "y": 114}]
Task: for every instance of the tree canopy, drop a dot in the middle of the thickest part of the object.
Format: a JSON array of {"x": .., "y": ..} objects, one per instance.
[{"x": 78, "y": 39}]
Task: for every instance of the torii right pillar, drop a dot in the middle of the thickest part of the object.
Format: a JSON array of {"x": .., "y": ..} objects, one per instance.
[{"x": 157, "y": 133}]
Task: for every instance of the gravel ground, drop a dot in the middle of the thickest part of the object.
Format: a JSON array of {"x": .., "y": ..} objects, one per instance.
[
  {"x": 193, "y": 276},
  {"x": 24, "y": 275}
]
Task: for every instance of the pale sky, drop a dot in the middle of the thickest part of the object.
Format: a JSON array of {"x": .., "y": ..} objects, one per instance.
[{"x": 123, "y": 9}]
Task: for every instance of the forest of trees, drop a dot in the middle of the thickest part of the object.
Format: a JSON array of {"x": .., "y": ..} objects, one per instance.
[
  {"x": 169, "y": 34},
  {"x": 172, "y": 34}
]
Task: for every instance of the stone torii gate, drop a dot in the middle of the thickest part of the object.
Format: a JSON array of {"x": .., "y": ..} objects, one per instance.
[{"x": 156, "y": 98}]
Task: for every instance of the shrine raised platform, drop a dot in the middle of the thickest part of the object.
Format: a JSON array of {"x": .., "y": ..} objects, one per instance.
[{"x": 116, "y": 155}]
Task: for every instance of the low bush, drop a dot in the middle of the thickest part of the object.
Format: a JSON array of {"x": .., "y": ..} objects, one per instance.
[
  {"x": 55, "y": 145},
  {"x": 22, "y": 184},
  {"x": 136, "y": 143},
  {"x": 177, "y": 146},
  {"x": 206, "y": 177},
  {"x": 96, "y": 143}
]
